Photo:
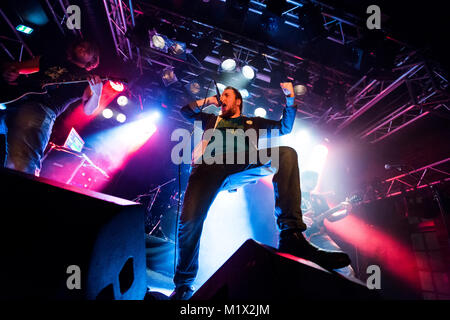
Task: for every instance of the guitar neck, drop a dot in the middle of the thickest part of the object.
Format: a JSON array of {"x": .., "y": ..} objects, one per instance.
[
  {"x": 327, "y": 213},
  {"x": 70, "y": 82}
]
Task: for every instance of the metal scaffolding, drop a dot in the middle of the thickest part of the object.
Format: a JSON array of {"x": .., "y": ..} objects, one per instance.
[
  {"x": 14, "y": 47},
  {"x": 423, "y": 81},
  {"x": 428, "y": 175}
]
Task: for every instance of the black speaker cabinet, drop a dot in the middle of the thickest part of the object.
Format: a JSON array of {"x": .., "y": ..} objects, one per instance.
[
  {"x": 259, "y": 272},
  {"x": 63, "y": 242}
]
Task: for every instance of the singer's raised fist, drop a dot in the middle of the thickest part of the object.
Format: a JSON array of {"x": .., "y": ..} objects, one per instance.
[{"x": 213, "y": 100}]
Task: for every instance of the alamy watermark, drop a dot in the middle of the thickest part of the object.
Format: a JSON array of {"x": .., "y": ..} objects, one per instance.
[
  {"x": 374, "y": 20},
  {"x": 374, "y": 280},
  {"x": 73, "y": 17},
  {"x": 74, "y": 279}
]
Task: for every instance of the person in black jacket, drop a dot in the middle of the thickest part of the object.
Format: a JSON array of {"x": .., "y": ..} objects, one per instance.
[
  {"x": 213, "y": 171},
  {"x": 28, "y": 122}
]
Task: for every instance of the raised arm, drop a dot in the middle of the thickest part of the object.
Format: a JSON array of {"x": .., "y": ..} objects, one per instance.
[
  {"x": 286, "y": 123},
  {"x": 92, "y": 94},
  {"x": 192, "y": 111}
]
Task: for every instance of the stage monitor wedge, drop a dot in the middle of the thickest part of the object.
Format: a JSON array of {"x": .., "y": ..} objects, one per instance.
[
  {"x": 60, "y": 242},
  {"x": 256, "y": 272}
]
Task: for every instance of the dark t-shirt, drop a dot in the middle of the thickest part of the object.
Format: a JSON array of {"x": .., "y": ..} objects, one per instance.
[
  {"x": 57, "y": 69},
  {"x": 228, "y": 128}
]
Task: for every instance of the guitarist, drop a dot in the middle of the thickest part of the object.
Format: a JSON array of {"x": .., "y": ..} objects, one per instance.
[
  {"x": 314, "y": 204},
  {"x": 28, "y": 122}
]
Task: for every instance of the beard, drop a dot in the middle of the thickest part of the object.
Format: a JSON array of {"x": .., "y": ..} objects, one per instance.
[{"x": 228, "y": 112}]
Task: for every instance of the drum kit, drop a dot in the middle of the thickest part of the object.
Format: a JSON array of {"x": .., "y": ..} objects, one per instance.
[{"x": 163, "y": 202}]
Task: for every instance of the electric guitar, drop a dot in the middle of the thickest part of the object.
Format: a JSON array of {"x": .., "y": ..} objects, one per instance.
[
  {"x": 315, "y": 227},
  {"x": 35, "y": 84}
]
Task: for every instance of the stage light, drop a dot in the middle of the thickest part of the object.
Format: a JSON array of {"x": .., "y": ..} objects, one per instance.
[
  {"x": 107, "y": 113},
  {"x": 24, "y": 29},
  {"x": 302, "y": 136},
  {"x": 228, "y": 65},
  {"x": 121, "y": 118},
  {"x": 244, "y": 93},
  {"x": 122, "y": 101},
  {"x": 117, "y": 86},
  {"x": 248, "y": 72},
  {"x": 155, "y": 116},
  {"x": 157, "y": 42},
  {"x": 177, "y": 48},
  {"x": 169, "y": 77},
  {"x": 194, "y": 87},
  {"x": 227, "y": 55},
  {"x": 317, "y": 159},
  {"x": 2, "y": 106},
  {"x": 300, "y": 90},
  {"x": 321, "y": 150},
  {"x": 260, "y": 112}
]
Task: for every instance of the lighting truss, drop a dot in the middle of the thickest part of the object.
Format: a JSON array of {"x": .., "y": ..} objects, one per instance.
[
  {"x": 413, "y": 179},
  {"x": 366, "y": 93},
  {"x": 121, "y": 17},
  {"x": 59, "y": 14},
  {"x": 14, "y": 47},
  {"x": 362, "y": 96}
]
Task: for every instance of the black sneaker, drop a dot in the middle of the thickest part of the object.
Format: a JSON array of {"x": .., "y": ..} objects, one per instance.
[
  {"x": 182, "y": 293},
  {"x": 293, "y": 242}
]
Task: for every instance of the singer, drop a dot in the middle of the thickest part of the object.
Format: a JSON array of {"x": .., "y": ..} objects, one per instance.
[{"x": 206, "y": 180}]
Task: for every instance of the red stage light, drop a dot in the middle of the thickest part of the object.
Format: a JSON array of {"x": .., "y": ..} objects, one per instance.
[{"x": 117, "y": 86}]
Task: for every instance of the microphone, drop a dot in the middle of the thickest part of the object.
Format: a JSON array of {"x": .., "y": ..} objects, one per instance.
[
  {"x": 399, "y": 167},
  {"x": 218, "y": 94}
]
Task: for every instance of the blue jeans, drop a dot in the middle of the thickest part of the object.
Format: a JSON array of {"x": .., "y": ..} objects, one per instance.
[
  {"x": 28, "y": 130},
  {"x": 206, "y": 181}
]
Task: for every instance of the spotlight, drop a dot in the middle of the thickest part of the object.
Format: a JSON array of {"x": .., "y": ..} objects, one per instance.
[
  {"x": 122, "y": 101},
  {"x": 121, "y": 118},
  {"x": 321, "y": 150},
  {"x": 155, "y": 116},
  {"x": 260, "y": 112},
  {"x": 169, "y": 77},
  {"x": 300, "y": 90},
  {"x": 248, "y": 72},
  {"x": 194, "y": 87},
  {"x": 117, "y": 86},
  {"x": 2, "y": 106},
  {"x": 228, "y": 65},
  {"x": 177, "y": 48},
  {"x": 244, "y": 93},
  {"x": 24, "y": 29},
  {"x": 107, "y": 113},
  {"x": 227, "y": 55}
]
